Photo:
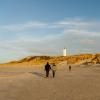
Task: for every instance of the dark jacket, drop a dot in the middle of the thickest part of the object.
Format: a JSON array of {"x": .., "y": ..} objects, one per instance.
[{"x": 47, "y": 67}]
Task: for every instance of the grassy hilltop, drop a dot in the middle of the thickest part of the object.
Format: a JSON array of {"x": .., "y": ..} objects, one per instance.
[{"x": 74, "y": 59}]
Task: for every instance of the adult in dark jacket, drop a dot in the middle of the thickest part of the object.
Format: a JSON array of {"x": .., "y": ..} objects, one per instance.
[{"x": 47, "y": 69}]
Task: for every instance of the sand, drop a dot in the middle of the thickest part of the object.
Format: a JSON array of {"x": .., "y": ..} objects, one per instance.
[{"x": 28, "y": 83}]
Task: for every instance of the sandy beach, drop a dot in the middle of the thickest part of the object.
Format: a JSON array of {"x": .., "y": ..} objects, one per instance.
[{"x": 82, "y": 83}]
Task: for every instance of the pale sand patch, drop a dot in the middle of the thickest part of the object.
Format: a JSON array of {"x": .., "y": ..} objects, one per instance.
[{"x": 28, "y": 83}]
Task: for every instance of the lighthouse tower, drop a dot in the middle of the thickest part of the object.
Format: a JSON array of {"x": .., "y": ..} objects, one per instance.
[{"x": 64, "y": 52}]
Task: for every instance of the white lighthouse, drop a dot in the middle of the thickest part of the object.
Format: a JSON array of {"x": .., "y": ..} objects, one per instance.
[{"x": 64, "y": 52}]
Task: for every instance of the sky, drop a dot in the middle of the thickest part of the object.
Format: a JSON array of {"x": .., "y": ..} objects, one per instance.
[{"x": 45, "y": 27}]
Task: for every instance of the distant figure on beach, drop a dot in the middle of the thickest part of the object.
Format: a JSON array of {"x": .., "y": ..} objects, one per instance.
[
  {"x": 53, "y": 68},
  {"x": 69, "y": 68},
  {"x": 47, "y": 69}
]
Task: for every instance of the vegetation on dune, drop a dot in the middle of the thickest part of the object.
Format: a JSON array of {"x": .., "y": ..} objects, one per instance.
[{"x": 74, "y": 59}]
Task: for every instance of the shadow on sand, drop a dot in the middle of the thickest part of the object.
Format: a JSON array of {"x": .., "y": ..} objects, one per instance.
[{"x": 38, "y": 74}]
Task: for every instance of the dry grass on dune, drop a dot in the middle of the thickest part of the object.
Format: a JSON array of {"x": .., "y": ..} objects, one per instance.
[{"x": 38, "y": 60}]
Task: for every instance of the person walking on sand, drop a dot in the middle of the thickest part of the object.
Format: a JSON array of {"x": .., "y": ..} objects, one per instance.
[
  {"x": 53, "y": 68},
  {"x": 69, "y": 67},
  {"x": 47, "y": 69}
]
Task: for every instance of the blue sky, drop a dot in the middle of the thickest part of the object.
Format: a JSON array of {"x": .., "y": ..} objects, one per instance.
[{"x": 45, "y": 27}]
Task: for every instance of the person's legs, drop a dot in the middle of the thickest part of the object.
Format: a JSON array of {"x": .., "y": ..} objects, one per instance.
[
  {"x": 69, "y": 68},
  {"x": 53, "y": 73},
  {"x": 47, "y": 73}
]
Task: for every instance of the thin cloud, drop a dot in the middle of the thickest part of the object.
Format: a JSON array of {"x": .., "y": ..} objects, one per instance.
[
  {"x": 88, "y": 42},
  {"x": 79, "y": 26},
  {"x": 78, "y": 36},
  {"x": 22, "y": 27}
]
